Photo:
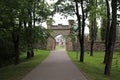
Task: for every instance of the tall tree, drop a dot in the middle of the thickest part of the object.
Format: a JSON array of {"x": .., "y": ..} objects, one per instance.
[
  {"x": 81, "y": 25},
  {"x": 112, "y": 36},
  {"x": 36, "y": 11},
  {"x": 93, "y": 23},
  {"x": 81, "y": 41},
  {"x": 107, "y": 31}
]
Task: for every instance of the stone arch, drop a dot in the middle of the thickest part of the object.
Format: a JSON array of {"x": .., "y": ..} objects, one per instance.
[
  {"x": 60, "y": 30},
  {"x": 60, "y": 42}
]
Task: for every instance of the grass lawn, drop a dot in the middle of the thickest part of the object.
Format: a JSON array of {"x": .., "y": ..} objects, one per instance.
[
  {"x": 94, "y": 68},
  {"x": 17, "y": 72}
]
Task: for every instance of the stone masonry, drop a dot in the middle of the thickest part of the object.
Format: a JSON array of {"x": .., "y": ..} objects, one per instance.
[{"x": 59, "y": 30}]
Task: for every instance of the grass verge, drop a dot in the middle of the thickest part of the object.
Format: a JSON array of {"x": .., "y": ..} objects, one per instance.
[
  {"x": 17, "y": 72},
  {"x": 93, "y": 67}
]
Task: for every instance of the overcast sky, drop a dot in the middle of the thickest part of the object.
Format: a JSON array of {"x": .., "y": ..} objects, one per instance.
[{"x": 61, "y": 19}]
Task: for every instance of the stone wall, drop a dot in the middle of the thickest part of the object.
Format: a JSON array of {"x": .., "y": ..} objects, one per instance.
[{"x": 100, "y": 46}]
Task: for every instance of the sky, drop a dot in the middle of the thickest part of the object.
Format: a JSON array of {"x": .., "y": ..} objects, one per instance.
[{"x": 61, "y": 19}]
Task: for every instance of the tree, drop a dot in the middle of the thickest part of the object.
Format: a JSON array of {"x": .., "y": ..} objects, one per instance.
[
  {"x": 33, "y": 11},
  {"x": 81, "y": 25},
  {"x": 111, "y": 37},
  {"x": 5, "y": 40},
  {"x": 92, "y": 23},
  {"x": 12, "y": 13},
  {"x": 103, "y": 28},
  {"x": 16, "y": 18},
  {"x": 103, "y": 20}
]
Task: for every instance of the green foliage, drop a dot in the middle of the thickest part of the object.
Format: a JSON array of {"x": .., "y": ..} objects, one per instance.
[
  {"x": 93, "y": 15},
  {"x": 72, "y": 34},
  {"x": 41, "y": 36},
  {"x": 103, "y": 29},
  {"x": 103, "y": 16},
  {"x": 16, "y": 28},
  {"x": 43, "y": 12},
  {"x": 64, "y": 7}
]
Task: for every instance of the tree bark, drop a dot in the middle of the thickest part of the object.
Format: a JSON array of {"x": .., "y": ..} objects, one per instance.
[
  {"x": 112, "y": 38},
  {"x": 30, "y": 52},
  {"x": 91, "y": 36},
  {"x": 16, "y": 47},
  {"x": 107, "y": 31},
  {"x": 91, "y": 47},
  {"x": 79, "y": 27},
  {"x": 82, "y": 35},
  {"x": 15, "y": 37}
]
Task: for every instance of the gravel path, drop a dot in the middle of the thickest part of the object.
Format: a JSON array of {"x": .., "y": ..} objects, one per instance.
[{"x": 57, "y": 66}]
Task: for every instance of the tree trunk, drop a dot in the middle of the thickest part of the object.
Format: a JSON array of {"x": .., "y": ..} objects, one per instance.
[
  {"x": 93, "y": 26},
  {"x": 28, "y": 55},
  {"x": 16, "y": 47},
  {"x": 107, "y": 32},
  {"x": 106, "y": 56},
  {"x": 94, "y": 34},
  {"x": 91, "y": 47},
  {"x": 82, "y": 51},
  {"x": 112, "y": 38},
  {"x": 109, "y": 61},
  {"x": 91, "y": 36},
  {"x": 82, "y": 35},
  {"x": 79, "y": 27},
  {"x": 15, "y": 37},
  {"x": 26, "y": 32},
  {"x": 30, "y": 52}
]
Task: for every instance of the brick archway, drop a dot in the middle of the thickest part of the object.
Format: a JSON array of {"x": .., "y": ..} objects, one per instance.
[{"x": 60, "y": 30}]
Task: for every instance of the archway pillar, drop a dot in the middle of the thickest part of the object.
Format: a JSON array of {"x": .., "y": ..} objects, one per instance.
[
  {"x": 69, "y": 45},
  {"x": 50, "y": 44}
]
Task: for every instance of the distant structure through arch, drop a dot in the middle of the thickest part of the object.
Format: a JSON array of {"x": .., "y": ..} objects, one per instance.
[{"x": 60, "y": 30}]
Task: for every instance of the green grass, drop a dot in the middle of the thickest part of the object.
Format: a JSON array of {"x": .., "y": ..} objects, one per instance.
[
  {"x": 93, "y": 67},
  {"x": 17, "y": 72},
  {"x": 58, "y": 47}
]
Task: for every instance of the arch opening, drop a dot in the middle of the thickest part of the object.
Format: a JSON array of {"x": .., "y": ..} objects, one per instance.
[{"x": 60, "y": 42}]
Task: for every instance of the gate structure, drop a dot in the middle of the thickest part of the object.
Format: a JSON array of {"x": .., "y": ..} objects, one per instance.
[{"x": 60, "y": 30}]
